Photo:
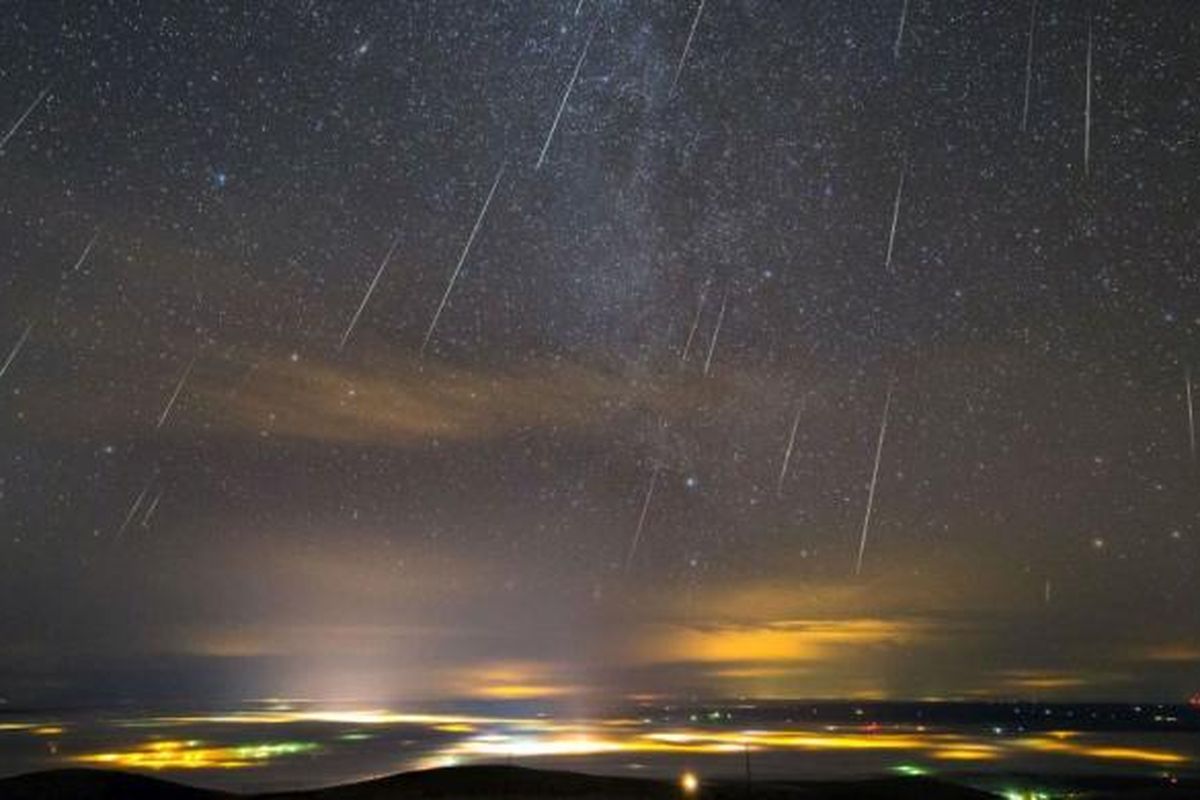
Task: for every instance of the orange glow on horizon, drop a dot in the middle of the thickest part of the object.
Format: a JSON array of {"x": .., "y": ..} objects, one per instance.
[
  {"x": 484, "y": 737},
  {"x": 775, "y": 641},
  {"x": 193, "y": 755}
]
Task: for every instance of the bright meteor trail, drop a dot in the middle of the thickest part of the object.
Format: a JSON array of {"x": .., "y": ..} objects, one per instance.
[
  {"x": 866, "y": 526},
  {"x": 687, "y": 47},
  {"x": 566, "y": 95},
  {"x": 787, "y": 454},
  {"x": 461, "y": 260},
  {"x": 370, "y": 290},
  {"x": 637, "y": 534},
  {"x": 712, "y": 344},
  {"x": 21, "y": 120},
  {"x": 895, "y": 216},
  {"x": 166, "y": 412},
  {"x": 87, "y": 250},
  {"x": 16, "y": 350}
]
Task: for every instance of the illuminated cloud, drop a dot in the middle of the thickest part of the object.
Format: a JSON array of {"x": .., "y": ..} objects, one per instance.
[
  {"x": 404, "y": 402},
  {"x": 1038, "y": 681},
  {"x": 511, "y": 680},
  {"x": 377, "y": 399},
  {"x": 777, "y": 641},
  {"x": 1180, "y": 652}
]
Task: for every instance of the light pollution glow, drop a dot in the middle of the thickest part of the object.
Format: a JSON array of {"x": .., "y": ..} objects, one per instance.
[
  {"x": 194, "y": 755},
  {"x": 483, "y": 738}
]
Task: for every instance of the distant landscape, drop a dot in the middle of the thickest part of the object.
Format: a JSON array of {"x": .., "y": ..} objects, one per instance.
[{"x": 778, "y": 749}]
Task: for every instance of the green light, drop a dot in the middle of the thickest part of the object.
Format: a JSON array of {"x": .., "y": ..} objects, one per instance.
[
  {"x": 911, "y": 770},
  {"x": 264, "y": 752}
]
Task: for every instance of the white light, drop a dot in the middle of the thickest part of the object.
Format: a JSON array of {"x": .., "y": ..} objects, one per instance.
[{"x": 689, "y": 783}]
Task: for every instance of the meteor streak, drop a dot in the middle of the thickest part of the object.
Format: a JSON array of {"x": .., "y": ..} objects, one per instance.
[
  {"x": 566, "y": 95},
  {"x": 1029, "y": 65},
  {"x": 461, "y": 260},
  {"x": 370, "y": 290},
  {"x": 787, "y": 454},
  {"x": 862, "y": 543},
  {"x": 637, "y": 534},
  {"x": 133, "y": 509},
  {"x": 900, "y": 31},
  {"x": 166, "y": 412},
  {"x": 895, "y": 216},
  {"x": 1087, "y": 109},
  {"x": 86, "y": 252},
  {"x": 21, "y": 120},
  {"x": 151, "y": 509},
  {"x": 16, "y": 350},
  {"x": 712, "y": 344},
  {"x": 687, "y": 346},
  {"x": 687, "y": 47},
  {"x": 1191, "y": 409}
]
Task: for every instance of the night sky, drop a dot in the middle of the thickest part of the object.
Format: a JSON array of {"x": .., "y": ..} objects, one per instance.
[{"x": 751, "y": 217}]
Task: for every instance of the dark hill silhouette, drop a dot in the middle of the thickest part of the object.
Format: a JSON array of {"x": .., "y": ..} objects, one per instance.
[
  {"x": 518, "y": 783},
  {"x": 491, "y": 782},
  {"x": 97, "y": 784}
]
